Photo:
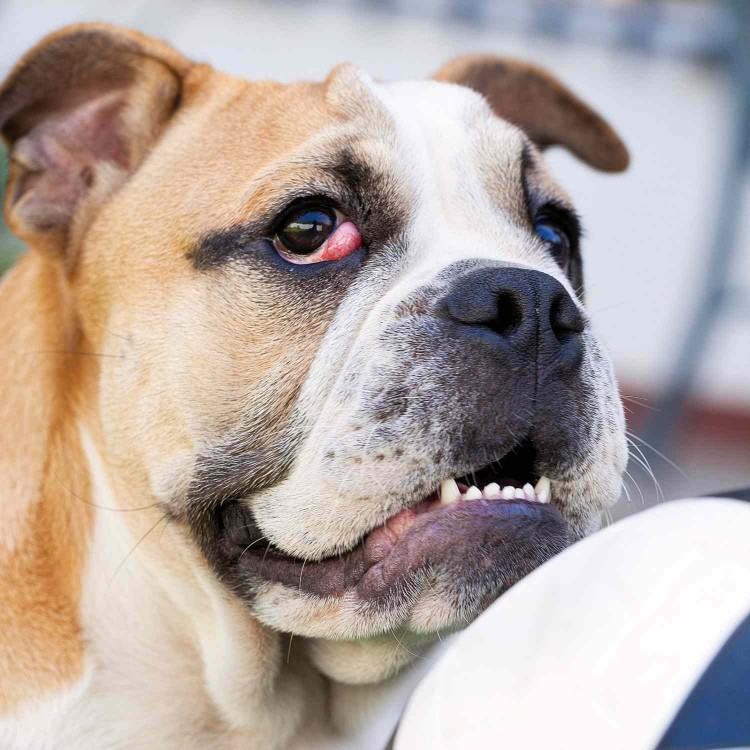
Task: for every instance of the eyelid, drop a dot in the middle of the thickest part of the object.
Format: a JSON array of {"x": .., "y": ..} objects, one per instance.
[
  {"x": 563, "y": 215},
  {"x": 275, "y": 217}
]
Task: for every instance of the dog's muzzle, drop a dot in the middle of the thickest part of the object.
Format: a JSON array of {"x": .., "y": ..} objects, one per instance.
[{"x": 472, "y": 390}]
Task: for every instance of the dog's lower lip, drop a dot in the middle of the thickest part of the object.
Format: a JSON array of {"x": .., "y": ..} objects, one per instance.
[
  {"x": 415, "y": 538},
  {"x": 250, "y": 537}
]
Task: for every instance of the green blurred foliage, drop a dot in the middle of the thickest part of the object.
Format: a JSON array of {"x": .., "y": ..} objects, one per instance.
[{"x": 10, "y": 246}]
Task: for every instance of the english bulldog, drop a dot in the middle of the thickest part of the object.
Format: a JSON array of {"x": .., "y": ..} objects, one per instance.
[{"x": 297, "y": 379}]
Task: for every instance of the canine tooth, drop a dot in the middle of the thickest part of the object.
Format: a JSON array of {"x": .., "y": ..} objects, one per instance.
[
  {"x": 493, "y": 491},
  {"x": 529, "y": 492},
  {"x": 520, "y": 494},
  {"x": 509, "y": 492},
  {"x": 449, "y": 492},
  {"x": 543, "y": 490},
  {"x": 473, "y": 493}
]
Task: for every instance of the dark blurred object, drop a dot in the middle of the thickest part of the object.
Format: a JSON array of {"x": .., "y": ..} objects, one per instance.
[
  {"x": 718, "y": 297},
  {"x": 715, "y": 714},
  {"x": 10, "y": 246}
]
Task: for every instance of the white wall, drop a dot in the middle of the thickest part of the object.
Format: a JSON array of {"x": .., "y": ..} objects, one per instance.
[{"x": 647, "y": 231}]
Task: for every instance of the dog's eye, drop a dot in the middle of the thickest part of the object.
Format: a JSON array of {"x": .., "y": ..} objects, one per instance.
[
  {"x": 306, "y": 230},
  {"x": 316, "y": 233},
  {"x": 556, "y": 239}
]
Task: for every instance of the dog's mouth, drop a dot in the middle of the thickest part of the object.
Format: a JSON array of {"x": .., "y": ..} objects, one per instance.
[
  {"x": 512, "y": 477},
  {"x": 498, "y": 519}
]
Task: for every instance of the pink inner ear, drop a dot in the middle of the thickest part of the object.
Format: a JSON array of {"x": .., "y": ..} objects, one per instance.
[
  {"x": 91, "y": 128},
  {"x": 58, "y": 159}
]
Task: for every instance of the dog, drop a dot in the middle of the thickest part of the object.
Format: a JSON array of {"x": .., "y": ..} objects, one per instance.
[{"x": 297, "y": 379}]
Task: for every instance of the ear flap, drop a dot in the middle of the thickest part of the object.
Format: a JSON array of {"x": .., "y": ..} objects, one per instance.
[
  {"x": 539, "y": 104},
  {"x": 79, "y": 112}
]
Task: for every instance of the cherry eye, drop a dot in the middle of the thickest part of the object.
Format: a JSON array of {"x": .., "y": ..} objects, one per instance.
[
  {"x": 555, "y": 238},
  {"x": 316, "y": 233}
]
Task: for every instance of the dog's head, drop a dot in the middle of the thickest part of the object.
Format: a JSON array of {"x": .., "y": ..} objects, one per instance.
[{"x": 320, "y": 302}]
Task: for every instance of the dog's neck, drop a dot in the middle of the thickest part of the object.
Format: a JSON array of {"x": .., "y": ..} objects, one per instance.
[
  {"x": 79, "y": 565},
  {"x": 102, "y": 597},
  {"x": 41, "y": 470}
]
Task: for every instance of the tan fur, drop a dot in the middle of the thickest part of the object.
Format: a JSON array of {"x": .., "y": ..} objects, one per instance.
[{"x": 43, "y": 488}]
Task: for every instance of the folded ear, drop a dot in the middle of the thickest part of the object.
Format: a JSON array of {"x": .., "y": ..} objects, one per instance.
[
  {"x": 539, "y": 104},
  {"x": 79, "y": 112}
]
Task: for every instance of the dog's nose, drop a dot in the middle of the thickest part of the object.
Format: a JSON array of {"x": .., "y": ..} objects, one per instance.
[{"x": 528, "y": 311}]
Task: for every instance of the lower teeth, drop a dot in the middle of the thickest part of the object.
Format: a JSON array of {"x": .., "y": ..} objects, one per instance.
[{"x": 450, "y": 493}]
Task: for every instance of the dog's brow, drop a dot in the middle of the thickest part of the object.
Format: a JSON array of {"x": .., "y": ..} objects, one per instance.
[
  {"x": 358, "y": 176},
  {"x": 370, "y": 196}
]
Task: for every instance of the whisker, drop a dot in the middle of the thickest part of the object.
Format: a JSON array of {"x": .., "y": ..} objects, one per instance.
[
  {"x": 642, "y": 461},
  {"x": 627, "y": 493},
  {"x": 166, "y": 526},
  {"x": 250, "y": 545},
  {"x": 429, "y": 583},
  {"x": 77, "y": 354},
  {"x": 101, "y": 507},
  {"x": 416, "y": 656},
  {"x": 630, "y": 476},
  {"x": 661, "y": 455},
  {"x": 599, "y": 310},
  {"x": 263, "y": 560},
  {"x": 135, "y": 547},
  {"x": 638, "y": 402}
]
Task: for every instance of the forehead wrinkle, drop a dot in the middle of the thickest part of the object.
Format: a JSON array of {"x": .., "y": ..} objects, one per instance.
[
  {"x": 355, "y": 168},
  {"x": 306, "y": 161}
]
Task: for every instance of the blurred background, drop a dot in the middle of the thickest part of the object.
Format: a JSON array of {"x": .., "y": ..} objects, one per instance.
[{"x": 667, "y": 251}]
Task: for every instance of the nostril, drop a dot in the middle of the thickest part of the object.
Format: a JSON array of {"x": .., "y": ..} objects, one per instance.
[
  {"x": 565, "y": 318},
  {"x": 508, "y": 314},
  {"x": 524, "y": 309}
]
